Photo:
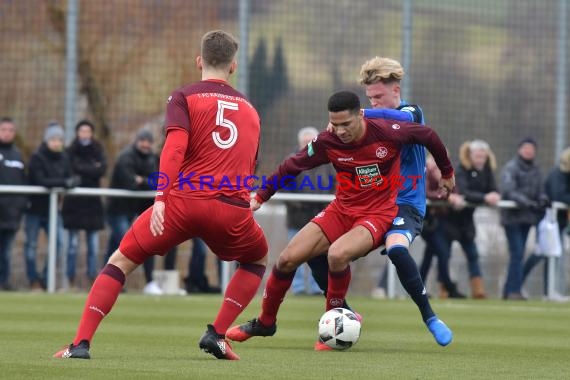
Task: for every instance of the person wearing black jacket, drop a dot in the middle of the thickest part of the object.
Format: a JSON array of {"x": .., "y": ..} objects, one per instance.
[
  {"x": 88, "y": 161},
  {"x": 50, "y": 167},
  {"x": 521, "y": 181},
  {"x": 11, "y": 206},
  {"x": 475, "y": 183},
  {"x": 131, "y": 172}
]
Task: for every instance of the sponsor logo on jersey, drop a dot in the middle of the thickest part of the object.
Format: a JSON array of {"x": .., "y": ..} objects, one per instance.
[
  {"x": 381, "y": 152},
  {"x": 398, "y": 221},
  {"x": 395, "y": 126},
  {"x": 320, "y": 214},
  {"x": 368, "y": 175},
  {"x": 345, "y": 159}
]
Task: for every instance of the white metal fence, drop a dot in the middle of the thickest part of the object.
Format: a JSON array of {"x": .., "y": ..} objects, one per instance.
[{"x": 53, "y": 194}]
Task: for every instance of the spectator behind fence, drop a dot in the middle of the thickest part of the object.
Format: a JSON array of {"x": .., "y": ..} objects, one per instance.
[
  {"x": 84, "y": 213},
  {"x": 300, "y": 213},
  {"x": 521, "y": 181},
  {"x": 131, "y": 172},
  {"x": 434, "y": 233},
  {"x": 11, "y": 206},
  {"x": 557, "y": 188},
  {"x": 476, "y": 185},
  {"x": 49, "y": 167}
]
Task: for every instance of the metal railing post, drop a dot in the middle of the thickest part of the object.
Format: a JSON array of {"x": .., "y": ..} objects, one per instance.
[{"x": 52, "y": 240}]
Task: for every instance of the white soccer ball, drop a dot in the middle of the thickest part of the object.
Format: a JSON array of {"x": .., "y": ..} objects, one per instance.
[{"x": 339, "y": 328}]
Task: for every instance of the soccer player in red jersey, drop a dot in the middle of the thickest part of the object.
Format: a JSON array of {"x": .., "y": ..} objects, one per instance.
[
  {"x": 365, "y": 153},
  {"x": 206, "y": 167}
]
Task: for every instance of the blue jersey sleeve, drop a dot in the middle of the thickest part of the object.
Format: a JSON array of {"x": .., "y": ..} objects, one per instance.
[{"x": 388, "y": 113}]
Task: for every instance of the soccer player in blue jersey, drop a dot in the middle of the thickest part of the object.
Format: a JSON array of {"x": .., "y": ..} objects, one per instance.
[{"x": 381, "y": 77}]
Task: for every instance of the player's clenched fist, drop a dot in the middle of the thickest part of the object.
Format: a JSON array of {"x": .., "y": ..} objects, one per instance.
[
  {"x": 157, "y": 218},
  {"x": 447, "y": 184}
]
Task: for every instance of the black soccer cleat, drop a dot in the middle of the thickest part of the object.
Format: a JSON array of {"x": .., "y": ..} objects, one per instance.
[
  {"x": 251, "y": 328},
  {"x": 81, "y": 351},
  {"x": 217, "y": 345}
]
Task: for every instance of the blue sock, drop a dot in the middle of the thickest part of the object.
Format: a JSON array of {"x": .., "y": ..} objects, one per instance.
[{"x": 410, "y": 278}]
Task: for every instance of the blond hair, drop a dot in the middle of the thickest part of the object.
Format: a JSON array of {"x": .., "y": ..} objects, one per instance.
[
  {"x": 380, "y": 69},
  {"x": 468, "y": 146}
]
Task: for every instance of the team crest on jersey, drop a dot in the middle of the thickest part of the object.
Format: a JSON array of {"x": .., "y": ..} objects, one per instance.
[
  {"x": 395, "y": 126},
  {"x": 381, "y": 152},
  {"x": 368, "y": 175}
]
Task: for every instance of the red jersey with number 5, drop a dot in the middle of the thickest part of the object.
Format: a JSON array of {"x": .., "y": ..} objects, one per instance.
[{"x": 223, "y": 132}]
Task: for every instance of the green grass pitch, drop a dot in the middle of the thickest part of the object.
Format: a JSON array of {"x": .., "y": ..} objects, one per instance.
[{"x": 157, "y": 337}]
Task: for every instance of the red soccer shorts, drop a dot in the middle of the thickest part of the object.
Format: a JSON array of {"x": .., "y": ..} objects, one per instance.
[
  {"x": 334, "y": 222},
  {"x": 225, "y": 224}
]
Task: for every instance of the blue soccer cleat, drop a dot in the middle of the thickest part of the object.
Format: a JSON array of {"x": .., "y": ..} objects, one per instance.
[{"x": 442, "y": 334}]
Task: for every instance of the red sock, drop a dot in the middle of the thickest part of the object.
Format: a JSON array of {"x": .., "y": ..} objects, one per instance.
[
  {"x": 100, "y": 300},
  {"x": 338, "y": 287},
  {"x": 277, "y": 285},
  {"x": 239, "y": 293}
]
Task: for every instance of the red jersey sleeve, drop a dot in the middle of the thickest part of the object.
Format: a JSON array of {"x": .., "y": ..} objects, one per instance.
[
  {"x": 413, "y": 133},
  {"x": 177, "y": 113},
  {"x": 313, "y": 155},
  {"x": 171, "y": 159}
]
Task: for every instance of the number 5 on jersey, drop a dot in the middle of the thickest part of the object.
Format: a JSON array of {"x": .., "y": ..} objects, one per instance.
[{"x": 223, "y": 122}]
